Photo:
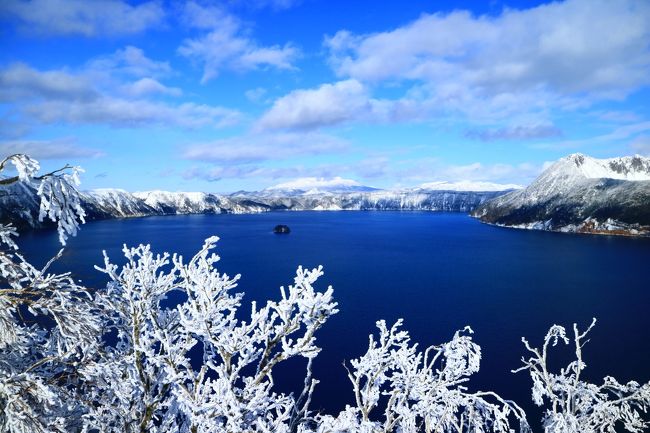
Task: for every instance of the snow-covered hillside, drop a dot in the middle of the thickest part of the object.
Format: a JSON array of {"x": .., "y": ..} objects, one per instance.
[
  {"x": 580, "y": 194},
  {"x": 577, "y": 193},
  {"x": 180, "y": 202},
  {"x": 166, "y": 202},
  {"x": 113, "y": 203},
  {"x": 315, "y": 185},
  {"x": 622, "y": 168},
  {"x": 21, "y": 206}
]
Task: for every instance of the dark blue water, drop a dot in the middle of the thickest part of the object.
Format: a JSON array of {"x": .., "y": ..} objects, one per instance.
[{"x": 439, "y": 272}]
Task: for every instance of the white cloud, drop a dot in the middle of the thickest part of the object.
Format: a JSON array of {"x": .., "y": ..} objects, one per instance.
[
  {"x": 261, "y": 147},
  {"x": 307, "y": 183},
  {"x": 432, "y": 170},
  {"x": 626, "y": 131},
  {"x": 213, "y": 174},
  {"x": 617, "y": 116},
  {"x": 522, "y": 132},
  {"x": 559, "y": 44},
  {"x": 63, "y": 148},
  {"x": 147, "y": 86},
  {"x": 273, "y": 4},
  {"x": 623, "y": 132},
  {"x": 81, "y": 98},
  {"x": 467, "y": 185},
  {"x": 128, "y": 61},
  {"x": 256, "y": 94},
  {"x": 477, "y": 171},
  {"x": 327, "y": 105},
  {"x": 427, "y": 173},
  {"x": 206, "y": 17},
  {"x": 19, "y": 81},
  {"x": 225, "y": 46},
  {"x": 332, "y": 104},
  {"x": 641, "y": 145},
  {"x": 83, "y": 17},
  {"x": 559, "y": 55},
  {"x": 12, "y": 127},
  {"x": 519, "y": 67},
  {"x": 132, "y": 113}
]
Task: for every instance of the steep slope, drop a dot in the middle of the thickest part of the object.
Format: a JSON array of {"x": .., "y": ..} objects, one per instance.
[
  {"x": 314, "y": 186},
  {"x": 114, "y": 203},
  {"x": 19, "y": 204},
  {"x": 166, "y": 203},
  {"x": 416, "y": 199},
  {"x": 580, "y": 194}
]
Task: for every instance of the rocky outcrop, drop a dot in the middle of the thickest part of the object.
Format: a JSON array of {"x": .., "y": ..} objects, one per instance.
[{"x": 281, "y": 229}]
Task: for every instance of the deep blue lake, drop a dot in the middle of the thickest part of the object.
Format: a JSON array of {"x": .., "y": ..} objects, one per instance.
[{"x": 438, "y": 271}]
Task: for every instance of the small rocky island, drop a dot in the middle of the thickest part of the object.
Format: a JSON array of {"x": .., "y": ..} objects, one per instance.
[{"x": 281, "y": 229}]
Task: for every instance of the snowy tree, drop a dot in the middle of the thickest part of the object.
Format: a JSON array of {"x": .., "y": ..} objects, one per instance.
[
  {"x": 422, "y": 391},
  {"x": 57, "y": 191},
  {"x": 48, "y": 323},
  {"x": 576, "y": 406},
  {"x": 148, "y": 382},
  {"x": 167, "y": 346}
]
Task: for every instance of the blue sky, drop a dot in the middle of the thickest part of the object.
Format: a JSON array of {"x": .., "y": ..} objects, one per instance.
[{"x": 221, "y": 96}]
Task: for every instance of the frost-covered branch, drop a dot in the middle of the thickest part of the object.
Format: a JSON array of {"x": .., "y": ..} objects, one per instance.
[
  {"x": 576, "y": 406},
  {"x": 421, "y": 391},
  {"x": 57, "y": 190},
  {"x": 48, "y": 327},
  {"x": 232, "y": 388}
]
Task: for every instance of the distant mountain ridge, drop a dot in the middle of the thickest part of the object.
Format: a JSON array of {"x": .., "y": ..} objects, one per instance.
[
  {"x": 577, "y": 193},
  {"x": 581, "y": 194},
  {"x": 313, "y": 185},
  {"x": 19, "y": 204}
]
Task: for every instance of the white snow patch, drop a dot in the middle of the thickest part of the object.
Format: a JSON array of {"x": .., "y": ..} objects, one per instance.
[{"x": 632, "y": 168}]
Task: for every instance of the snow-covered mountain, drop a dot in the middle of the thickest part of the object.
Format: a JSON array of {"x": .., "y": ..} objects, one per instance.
[
  {"x": 372, "y": 199},
  {"x": 113, "y": 203},
  {"x": 21, "y": 205},
  {"x": 316, "y": 186},
  {"x": 166, "y": 203},
  {"x": 580, "y": 194},
  {"x": 577, "y": 193}
]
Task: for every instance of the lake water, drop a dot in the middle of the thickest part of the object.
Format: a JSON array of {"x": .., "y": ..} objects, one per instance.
[{"x": 438, "y": 271}]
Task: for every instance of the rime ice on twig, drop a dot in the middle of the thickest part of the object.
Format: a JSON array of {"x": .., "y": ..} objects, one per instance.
[
  {"x": 576, "y": 406},
  {"x": 48, "y": 324},
  {"x": 57, "y": 190},
  {"x": 153, "y": 384},
  {"x": 423, "y": 391}
]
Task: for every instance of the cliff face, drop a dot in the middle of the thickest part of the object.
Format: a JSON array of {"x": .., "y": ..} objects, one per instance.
[
  {"x": 579, "y": 194},
  {"x": 20, "y": 205}
]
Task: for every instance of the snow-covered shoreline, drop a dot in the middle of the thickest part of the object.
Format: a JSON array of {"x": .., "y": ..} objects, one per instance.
[{"x": 599, "y": 228}]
